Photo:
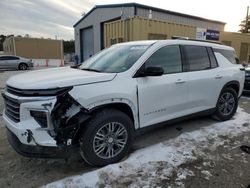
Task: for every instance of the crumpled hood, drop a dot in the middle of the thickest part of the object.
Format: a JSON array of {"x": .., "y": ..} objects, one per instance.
[{"x": 57, "y": 77}]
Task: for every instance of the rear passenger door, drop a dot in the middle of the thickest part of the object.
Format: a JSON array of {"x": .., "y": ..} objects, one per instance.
[
  {"x": 204, "y": 78},
  {"x": 3, "y": 62},
  {"x": 13, "y": 62}
]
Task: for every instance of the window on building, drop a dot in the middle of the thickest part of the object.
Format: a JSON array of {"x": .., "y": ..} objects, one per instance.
[
  {"x": 196, "y": 58},
  {"x": 168, "y": 57}
]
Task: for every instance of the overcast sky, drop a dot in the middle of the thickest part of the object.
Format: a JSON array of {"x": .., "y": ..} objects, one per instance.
[{"x": 47, "y": 18}]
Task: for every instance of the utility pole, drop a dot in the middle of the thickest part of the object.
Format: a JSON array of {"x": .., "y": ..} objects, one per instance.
[{"x": 246, "y": 28}]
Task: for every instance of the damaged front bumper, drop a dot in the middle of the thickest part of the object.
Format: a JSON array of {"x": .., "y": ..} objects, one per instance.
[
  {"x": 39, "y": 151},
  {"x": 42, "y": 126}
]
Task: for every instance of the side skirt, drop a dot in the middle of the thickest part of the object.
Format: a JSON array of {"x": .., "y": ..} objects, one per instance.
[{"x": 144, "y": 130}]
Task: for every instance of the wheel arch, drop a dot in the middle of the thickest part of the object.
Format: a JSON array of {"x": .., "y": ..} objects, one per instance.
[
  {"x": 234, "y": 85},
  {"x": 121, "y": 106}
]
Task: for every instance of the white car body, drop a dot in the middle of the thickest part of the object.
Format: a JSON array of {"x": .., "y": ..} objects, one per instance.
[{"x": 152, "y": 100}]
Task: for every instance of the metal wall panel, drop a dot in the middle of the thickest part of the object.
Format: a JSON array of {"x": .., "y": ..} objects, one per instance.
[
  {"x": 180, "y": 19},
  {"x": 236, "y": 40},
  {"x": 141, "y": 29},
  {"x": 34, "y": 48}
]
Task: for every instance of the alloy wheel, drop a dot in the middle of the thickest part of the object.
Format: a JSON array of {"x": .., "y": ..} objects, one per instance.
[
  {"x": 226, "y": 103},
  {"x": 110, "y": 140}
]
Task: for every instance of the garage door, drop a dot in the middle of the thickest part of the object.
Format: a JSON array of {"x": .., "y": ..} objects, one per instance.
[{"x": 87, "y": 43}]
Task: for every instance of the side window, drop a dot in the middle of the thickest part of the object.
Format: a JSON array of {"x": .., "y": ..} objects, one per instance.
[
  {"x": 12, "y": 58},
  {"x": 229, "y": 54},
  {"x": 168, "y": 57},
  {"x": 196, "y": 58},
  {"x": 212, "y": 58},
  {"x": 3, "y": 58},
  {"x": 8, "y": 58}
]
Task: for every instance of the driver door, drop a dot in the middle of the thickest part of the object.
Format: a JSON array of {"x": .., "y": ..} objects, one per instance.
[{"x": 164, "y": 97}]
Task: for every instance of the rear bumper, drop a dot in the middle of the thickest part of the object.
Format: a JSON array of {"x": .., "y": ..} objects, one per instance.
[{"x": 39, "y": 151}]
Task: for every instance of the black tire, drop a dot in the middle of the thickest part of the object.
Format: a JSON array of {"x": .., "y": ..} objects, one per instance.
[
  {"x": 23, "y": 66},
  {"x": 98, "y": 124},
  {"x": 227, "y": 110}
]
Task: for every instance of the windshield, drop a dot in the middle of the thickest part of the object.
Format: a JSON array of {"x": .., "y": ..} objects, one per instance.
[{"x": 115, "y": 59}]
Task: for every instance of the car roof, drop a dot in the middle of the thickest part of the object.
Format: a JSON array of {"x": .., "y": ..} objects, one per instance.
[
  {"x": 141, "y": 42},
  {"x": 179, "y": 42},
  {"x": 11, "y": 56},
  {"x": 8, "y": 56}
]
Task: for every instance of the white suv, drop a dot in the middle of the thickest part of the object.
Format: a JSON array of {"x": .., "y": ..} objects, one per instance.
[{"x": 99, "y": 106}]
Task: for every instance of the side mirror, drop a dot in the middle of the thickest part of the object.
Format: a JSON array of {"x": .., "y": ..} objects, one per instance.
[{"x": 153, "y": 71}]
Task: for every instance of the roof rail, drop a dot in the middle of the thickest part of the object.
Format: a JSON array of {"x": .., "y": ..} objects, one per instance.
[{"x": 186, "y": 38}]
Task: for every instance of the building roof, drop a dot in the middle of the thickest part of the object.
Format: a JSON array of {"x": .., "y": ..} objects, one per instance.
[{"x": 136, "y": 5}]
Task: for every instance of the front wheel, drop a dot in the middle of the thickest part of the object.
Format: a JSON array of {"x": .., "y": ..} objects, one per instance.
[
  {"x": 226, "y": 105},
  {"x": 107, "y": 138},
  {"x": 22, "y": 66}
]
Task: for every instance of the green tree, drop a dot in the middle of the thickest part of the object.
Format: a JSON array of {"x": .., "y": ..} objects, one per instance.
[
  {"x": 245, "y": 27},
  {"x": 2, "y": 38},
  {"x": 69, "y": 46}
]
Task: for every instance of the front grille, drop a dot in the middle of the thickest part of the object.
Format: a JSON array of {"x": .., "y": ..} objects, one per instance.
[
  {"x": 37, "y": 92},
  {"x": 14, "y": 91},
  {"x": 12, "y": 108}
]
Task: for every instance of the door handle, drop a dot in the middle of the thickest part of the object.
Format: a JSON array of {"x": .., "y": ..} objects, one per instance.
[
  {"x": 180, "y": 81},
  {"x": 218, "y": 77}
]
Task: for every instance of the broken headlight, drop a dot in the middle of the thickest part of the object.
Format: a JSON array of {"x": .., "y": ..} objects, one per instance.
[{"x": 40, "y": 117}]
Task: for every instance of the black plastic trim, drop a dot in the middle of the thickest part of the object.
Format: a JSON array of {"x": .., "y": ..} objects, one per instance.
[
  {"x": 143, "y": 130},
  {"x": 37, "y": 92}
]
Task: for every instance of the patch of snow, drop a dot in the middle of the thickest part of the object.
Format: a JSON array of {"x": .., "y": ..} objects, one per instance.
[
  {"x": 208, "y": 164},
  {"x": 207, "y": 174},
  {"x": 146, "y": 166},
  {"x": 244, "y": 97},
  {"x": 182, "y": 174}
]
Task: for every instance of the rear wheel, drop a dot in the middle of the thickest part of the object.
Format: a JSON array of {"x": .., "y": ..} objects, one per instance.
[
  {"x": 226, "y": 105},
  {"x": 22, "y": 66},
  {"x": 107, "y": 138}
]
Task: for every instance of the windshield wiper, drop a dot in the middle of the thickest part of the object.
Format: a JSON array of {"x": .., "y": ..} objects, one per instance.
[{"x": 89, "y": 69}]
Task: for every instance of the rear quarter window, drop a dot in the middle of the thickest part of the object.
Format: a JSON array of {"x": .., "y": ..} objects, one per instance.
[{"x": 228, "y": 54}]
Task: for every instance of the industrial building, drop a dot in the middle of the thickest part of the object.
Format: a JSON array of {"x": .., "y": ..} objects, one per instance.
[
  {"x": 105, "y": 25},
  {"x": 33, "y": 48}
]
